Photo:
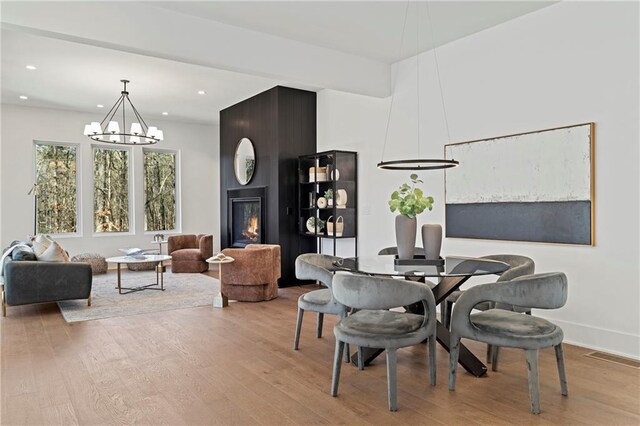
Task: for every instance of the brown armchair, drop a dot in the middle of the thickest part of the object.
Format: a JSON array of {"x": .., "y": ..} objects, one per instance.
[
  {"x": 253, "y": 277},
  {"x": 189, "y": 252}
]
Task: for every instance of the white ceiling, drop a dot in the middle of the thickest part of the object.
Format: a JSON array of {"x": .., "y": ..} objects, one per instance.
[{"x": 232, "y": 50}]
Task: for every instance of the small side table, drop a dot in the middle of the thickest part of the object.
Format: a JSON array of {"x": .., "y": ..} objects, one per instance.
[
  {"x": 159, "y": 243},
  {"x": 220, "y": 300}
]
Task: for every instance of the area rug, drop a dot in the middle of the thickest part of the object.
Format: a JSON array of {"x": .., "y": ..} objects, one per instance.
[{"x": 181, "y": 291}]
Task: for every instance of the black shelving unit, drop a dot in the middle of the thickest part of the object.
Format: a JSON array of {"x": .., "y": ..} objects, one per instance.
[{"x": 316, "y": 175}]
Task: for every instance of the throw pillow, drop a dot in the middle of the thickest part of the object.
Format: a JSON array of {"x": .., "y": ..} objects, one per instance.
[
  {"x": 23, "y": 253},
  {"x": 41, "y": 244},
  {"x": 54, "y": 253}
]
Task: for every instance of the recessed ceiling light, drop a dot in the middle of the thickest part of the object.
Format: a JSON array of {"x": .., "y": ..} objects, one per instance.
[
  {"x": 100, "y": 106},
  {"x": 201, "y": 92},
  {"x": 23, "y": 97},
  {"x": 165, "y": 113},
  {"x": 31, "y": 67}
]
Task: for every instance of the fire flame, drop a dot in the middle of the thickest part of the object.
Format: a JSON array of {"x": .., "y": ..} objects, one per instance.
[{"x": 251, "y": 231}]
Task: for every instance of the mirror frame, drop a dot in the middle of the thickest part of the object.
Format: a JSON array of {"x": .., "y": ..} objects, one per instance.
[{"x": 235, "y": 161}]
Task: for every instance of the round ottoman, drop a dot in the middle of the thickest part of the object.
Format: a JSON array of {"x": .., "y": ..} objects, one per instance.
[{"x": 97, "y": 262}]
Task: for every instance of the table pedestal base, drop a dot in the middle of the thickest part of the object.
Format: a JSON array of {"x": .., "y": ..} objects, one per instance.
[{"x": 220, "y": 301}]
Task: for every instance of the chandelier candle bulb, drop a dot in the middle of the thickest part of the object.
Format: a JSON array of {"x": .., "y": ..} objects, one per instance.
[
  {"x": 151, "y": 133},
  {"x": 113, "y": 127},
  {"x": 87, "y": 129},
  {"x": 159, "y": 135},
  {"x": 134, "y": 139},
  {"x": 114, "y": 138}
]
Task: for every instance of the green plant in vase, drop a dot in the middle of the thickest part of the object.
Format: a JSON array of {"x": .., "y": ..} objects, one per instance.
[
  {"x": 328, "y": 194},
  {"x": 409, "y": 201}
]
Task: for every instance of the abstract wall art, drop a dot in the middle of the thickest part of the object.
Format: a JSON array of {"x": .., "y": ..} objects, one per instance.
[{"x": 535, "y": 186}]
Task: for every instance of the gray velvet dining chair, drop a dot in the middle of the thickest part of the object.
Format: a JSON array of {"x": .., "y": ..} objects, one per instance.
[
  {"x": 374, "y": 326},
  {"x": 506, "y": 328},
  {"x": 313, "y": 266},
  {"x": 518, "y": 266}
]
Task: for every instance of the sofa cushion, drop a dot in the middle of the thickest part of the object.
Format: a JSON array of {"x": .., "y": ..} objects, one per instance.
[
  {"x": 54, "y": 253},
  {"x": 187, "y": 254}
]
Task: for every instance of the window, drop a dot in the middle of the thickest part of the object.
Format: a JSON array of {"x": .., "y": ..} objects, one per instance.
[
  {"x": 160, "y": 190},
  {"x": 57, "y": 196},
  {"x": 111, "y": 203}
]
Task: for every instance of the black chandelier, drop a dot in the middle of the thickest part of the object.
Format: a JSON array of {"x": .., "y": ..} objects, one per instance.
[
  {"x": 109, "y": 130},
  {"x": 418, "y": 163}
]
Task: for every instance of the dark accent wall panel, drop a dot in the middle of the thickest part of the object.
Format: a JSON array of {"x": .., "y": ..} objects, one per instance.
[
  {"x": 552, "y": 222},
  {"x": 281, "y": 123}
]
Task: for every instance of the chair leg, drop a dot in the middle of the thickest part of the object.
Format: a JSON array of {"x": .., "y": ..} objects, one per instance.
[
  {"x": 447, "y": 307},
  {"x": 392, "y": 356},
  {"x": 489, "y": 354},
  {"x": 454, "y": 352},
  {"x": 89, "y": 301},
  {"x": 319, "y": 325},
  {"x": 4, "y": 303},
  {"x": 432, "y": 360},
  {"x": 532, "y": 371},
  {"x": 296, "y": 339},
  {"x": 360, "y": 358},
  {"x": 495, "y": 352},
  {"x": 564, "y": 388},
  {"x": 335, "y": 379}
]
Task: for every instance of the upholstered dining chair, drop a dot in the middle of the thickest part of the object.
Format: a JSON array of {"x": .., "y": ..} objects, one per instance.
[
  {"x": 189, "y": 252},
  {"x": 499, "y": 327},
  {"x": 312, "y": 266},
  {"x": 374, "y": 326},
  {"x": 518, "y": 266}
]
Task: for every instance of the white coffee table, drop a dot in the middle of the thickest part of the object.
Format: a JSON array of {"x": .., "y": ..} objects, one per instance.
[
  {"x": 119, "y": 260},
  {"x": 220, "y": 300}
]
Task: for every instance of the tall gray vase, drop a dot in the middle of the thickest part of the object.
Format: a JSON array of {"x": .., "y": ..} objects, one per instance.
[
  {"x": 431, "y": 240},
  {"x": 406, "y": 236}
]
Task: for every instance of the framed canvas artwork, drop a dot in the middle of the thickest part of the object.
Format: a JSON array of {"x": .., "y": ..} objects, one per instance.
[{"x": 536, "y": 186}]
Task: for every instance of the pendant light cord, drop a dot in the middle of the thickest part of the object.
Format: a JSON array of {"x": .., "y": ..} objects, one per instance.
[
  {"x": 393, "y": 92},
  {"x": 435, "y": 59}
]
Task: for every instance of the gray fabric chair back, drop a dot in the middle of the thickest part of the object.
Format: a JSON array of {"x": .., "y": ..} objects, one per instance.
[
  {"x": 313, "y": 266},
  {"x": 518, "y": 265},
  {"x": 364, "y": 292}
]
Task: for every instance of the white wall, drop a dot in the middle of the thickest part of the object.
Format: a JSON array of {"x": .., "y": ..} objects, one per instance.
[
  {"x": 569, "y": 63},
  {"x": 199, "y": 153}
]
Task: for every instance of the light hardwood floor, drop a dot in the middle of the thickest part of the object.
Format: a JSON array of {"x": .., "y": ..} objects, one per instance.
[{"x": 237, "y": 366}]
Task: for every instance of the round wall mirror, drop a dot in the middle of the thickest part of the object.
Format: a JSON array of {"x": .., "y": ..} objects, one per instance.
[{"x": 244, "y": 162}]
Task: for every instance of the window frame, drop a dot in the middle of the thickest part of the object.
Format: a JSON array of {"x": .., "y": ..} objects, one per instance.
[
  {"x": 178, "y": 172},
  {"x": 130, "y": 189},
  {"x": 79, "y": 221}
]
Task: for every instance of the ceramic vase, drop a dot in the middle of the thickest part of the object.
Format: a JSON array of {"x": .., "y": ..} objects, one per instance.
[
  {"x": 431, "y": 240},
  {"x": 406, "y": 236}
]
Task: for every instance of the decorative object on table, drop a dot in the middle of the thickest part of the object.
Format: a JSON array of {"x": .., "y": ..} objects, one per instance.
[
  {"x": 431, "y": 240},
  {"x": 315, "y": 225},
  {"x": 158, "y": 237},
  {"x": 108, "y": 130},
  {"x": 134, "y": 253},
  {"x": 328, "y": 194},
  {"x": 322, "y": 202},
  {"x": 409, "y": 201},
  {"x": 339, "y": 226},
  {"x": 244, "y": 161},
  {"x": 95, "y": 260},
  {"x": 535, "y": 186},
  {"x": 416, "y": 162},
  {"x": 341, "y": 198},
  {"x": 190, "y": 252}
]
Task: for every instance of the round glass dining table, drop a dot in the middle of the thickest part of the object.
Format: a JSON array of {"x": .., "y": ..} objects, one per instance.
[{"x": 449, "y": 273}]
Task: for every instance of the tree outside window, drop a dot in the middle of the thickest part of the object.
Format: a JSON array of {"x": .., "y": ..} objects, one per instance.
[
  {"x": 57, "y": 180},
  {"x": 111, "y": 190},
  {"x": 159, "y": 190}
]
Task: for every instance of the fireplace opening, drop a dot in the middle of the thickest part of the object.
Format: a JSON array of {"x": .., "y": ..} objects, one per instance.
[{"x": 246, "y": 221}]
